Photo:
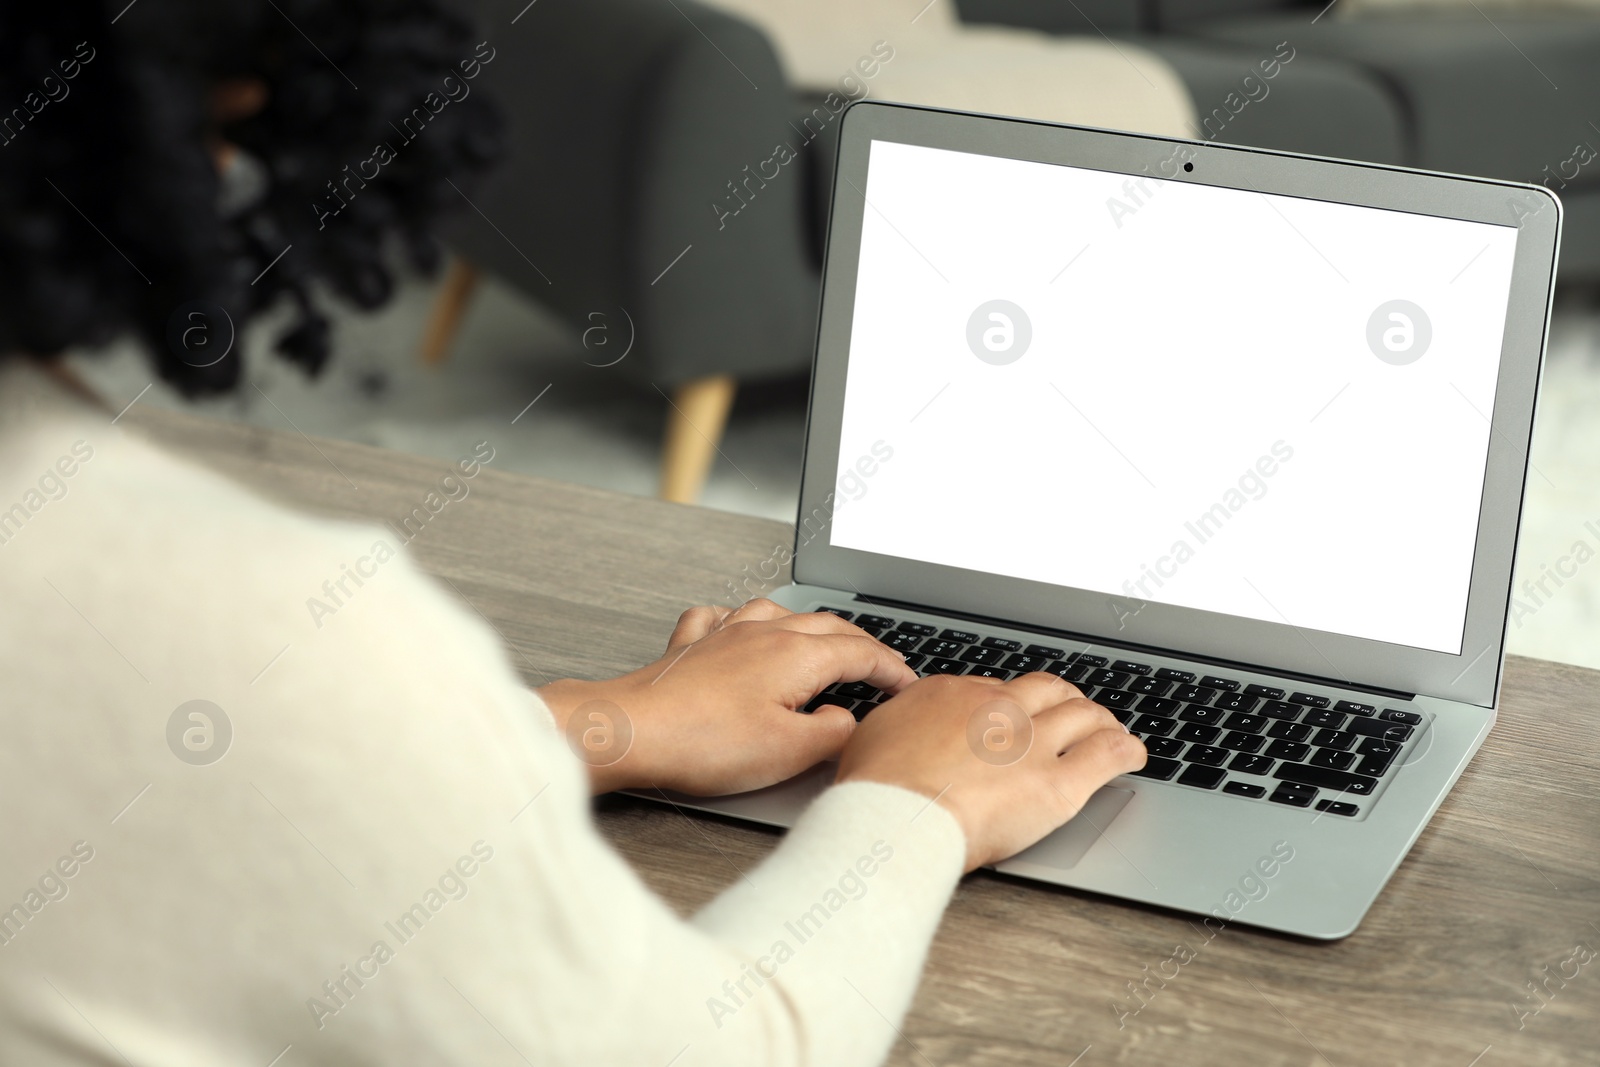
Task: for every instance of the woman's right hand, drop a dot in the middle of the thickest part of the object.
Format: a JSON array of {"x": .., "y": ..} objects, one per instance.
[{"x": 1012, "y": 761}]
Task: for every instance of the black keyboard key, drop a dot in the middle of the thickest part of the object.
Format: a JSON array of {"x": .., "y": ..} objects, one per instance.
[
  {"x": 1087, "y": 690},
  {"x": 1244, "y": 789},
  {"x": 1209, "y": 755},
  {"x": 843, "y": 614},
  {"x": 1294, "y": 751},
  {"x": 1158, "y": 705},
  {"x": 1193, "y": 731},
  {"x": 1336, "y": 739},
  {"x": 874, "y": 624},
  {"x": 1410, "y": 718},
  {"x": 1268, "y": 691},
  {"x": 939, "y": 646},
  {"x": 1289, "y": 731},
  {"x": 1319, "y": 717},
  {"x": 1153, "y": 724},
  {"x": 1338, "y": 781},
  {"x": 984, "y": 670},
  {"x": 1247, "y": 724},
  {"x": 1291, "y": 793},
  {"x": 986, "y": 656},
  {"x": 1170, "y": 675},
  {"x": 1389, "y": 731},
  {"x": 1024, "y": 664},
  {"x": 1159, "y": 768},
  {"x": 1045, "y": 651},
  {"x": 915, "y": 660},
  {"x": 1164, "y": 746},
  {"x": 1376, "y": 764},
  {"x": 1084, "y": 657},
  {"x": 939, "y": 665},
  {"x": 1242, "y": 742},
  {"x": 856, "y": 690},
  {"x": 1337, "y": 807},
  {"x": 863, "y": 707},
  {"x": 1122, "y": 715},
  {"x": 1236, "y": 702},
  {"x": 964, "y": 636},
  {"x": 1115, "y": 698},
  {"x": 1280, "y": 709},
  {"x": 921, "y": 629},
  {"x": 1194, "y": 694},
  {"x": 1195, "y": 713},
  {"x": 1130, "y": 667},
  {"x": 1377, "y": 746},
  {"x": 1309, "y": 700},
  {"x": 823, "y": 698},
  {"x": 1004, "y": 644},
  {"x": 1332, "y": 759},
  {"x": 1155, "y": 687},
  {"x": 1248, "y": 764},
  {"x": 1202, "y": 777},
  {"x": 1211, "y": 681},
  {"x": 901, "y": 642},
  {"x": 1353, "y": 708},
  {"x": 1072, "y": 672},
  {"x": 1115, "y": 679}
]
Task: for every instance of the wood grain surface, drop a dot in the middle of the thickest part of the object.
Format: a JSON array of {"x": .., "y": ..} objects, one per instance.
[{"x": 1501, "y": 896}]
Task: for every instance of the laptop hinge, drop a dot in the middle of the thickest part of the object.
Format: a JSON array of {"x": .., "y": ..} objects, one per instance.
[{"x": 1337, "y": 683}]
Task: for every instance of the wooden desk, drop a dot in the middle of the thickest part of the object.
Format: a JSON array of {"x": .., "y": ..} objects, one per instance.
[{"x": 1504, "y": 883}]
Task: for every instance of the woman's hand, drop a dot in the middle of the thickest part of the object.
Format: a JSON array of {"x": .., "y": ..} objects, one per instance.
[
  {"x": 719, "y": 712},
  {"x": 1010, "y": 760}
]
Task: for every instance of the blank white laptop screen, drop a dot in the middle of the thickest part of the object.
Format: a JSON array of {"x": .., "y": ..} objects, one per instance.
[{"x": 1259, "y": 405}]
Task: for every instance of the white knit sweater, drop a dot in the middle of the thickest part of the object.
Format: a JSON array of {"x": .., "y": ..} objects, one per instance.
[{"x": 394, "y": 860}]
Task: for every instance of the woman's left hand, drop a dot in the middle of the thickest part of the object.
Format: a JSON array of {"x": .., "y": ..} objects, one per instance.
[{"x": 719, "y": 713}]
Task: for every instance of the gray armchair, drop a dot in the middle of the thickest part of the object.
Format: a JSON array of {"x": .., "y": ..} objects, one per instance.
[{"x": 630, "y": 122}]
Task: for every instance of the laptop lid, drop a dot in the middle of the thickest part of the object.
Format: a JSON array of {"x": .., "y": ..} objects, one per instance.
[{"x": 1240, "y": 404}]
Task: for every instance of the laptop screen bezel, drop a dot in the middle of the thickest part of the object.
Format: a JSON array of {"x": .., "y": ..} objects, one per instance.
[{"x": 1471, "y": 676}]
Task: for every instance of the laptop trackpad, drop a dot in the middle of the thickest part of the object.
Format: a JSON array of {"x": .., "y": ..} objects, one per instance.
[{"x": 1064, "y": 848}]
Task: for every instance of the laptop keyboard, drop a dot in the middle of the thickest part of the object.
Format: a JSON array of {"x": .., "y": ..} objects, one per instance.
[{"x": 1203, "y": 730}]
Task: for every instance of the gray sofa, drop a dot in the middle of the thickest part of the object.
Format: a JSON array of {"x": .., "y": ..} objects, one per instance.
[
  {"x": 630, "y": 120},
  {"x": 1494, "y": 93}
]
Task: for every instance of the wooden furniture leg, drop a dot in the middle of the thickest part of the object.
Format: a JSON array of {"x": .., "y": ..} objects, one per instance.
[
  {"x": 697, "y": 414},
  {"x": 460, "y": 279}
]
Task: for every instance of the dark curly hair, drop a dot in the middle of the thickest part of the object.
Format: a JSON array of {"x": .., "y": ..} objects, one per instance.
[{"x": 113, "y": 218}]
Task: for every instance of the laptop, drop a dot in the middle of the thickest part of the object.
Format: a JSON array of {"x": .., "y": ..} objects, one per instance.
[{"x": 1234, "y": 440}]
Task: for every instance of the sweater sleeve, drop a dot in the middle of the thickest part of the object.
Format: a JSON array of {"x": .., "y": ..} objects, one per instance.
[
  {"x": 837, "y": 921},
  {"x": 390, "y": 855}
]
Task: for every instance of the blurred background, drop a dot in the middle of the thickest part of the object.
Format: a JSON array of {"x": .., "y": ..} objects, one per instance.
[{"x": 629, "y": 302}]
